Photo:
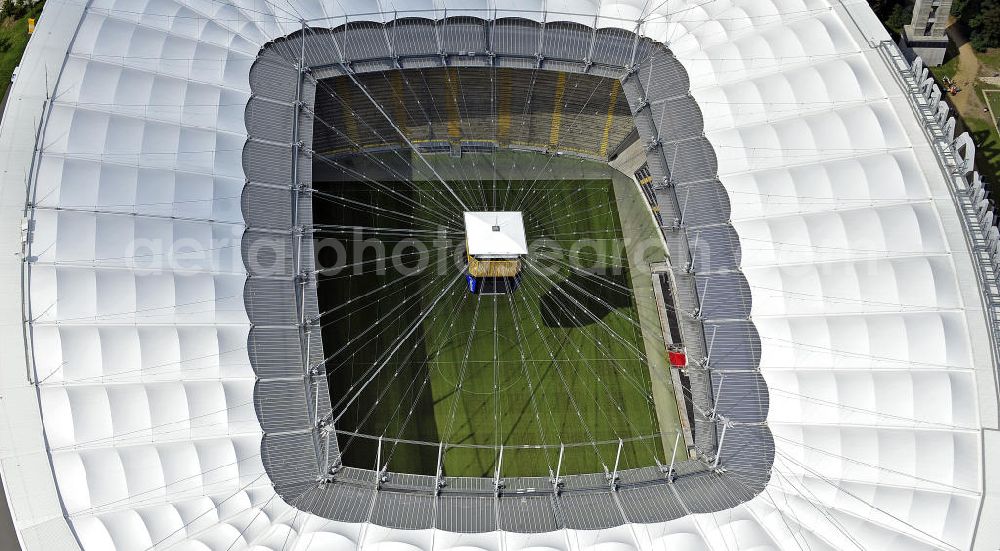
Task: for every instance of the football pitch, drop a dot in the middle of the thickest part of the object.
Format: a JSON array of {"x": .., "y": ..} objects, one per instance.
[{"x": 557, "y": 367}]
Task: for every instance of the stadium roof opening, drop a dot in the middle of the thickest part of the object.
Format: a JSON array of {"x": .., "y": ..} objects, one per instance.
[{"x": 497, "y": 234}]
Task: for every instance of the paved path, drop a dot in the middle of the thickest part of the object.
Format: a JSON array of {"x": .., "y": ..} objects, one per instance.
[{"x": 968, "y": 69}]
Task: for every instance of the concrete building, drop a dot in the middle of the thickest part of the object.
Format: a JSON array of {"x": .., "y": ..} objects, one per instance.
[{"x": 925, "y": 35}]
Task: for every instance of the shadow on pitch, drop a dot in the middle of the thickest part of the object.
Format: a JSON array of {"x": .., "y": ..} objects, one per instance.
[{"x": 584, "y": 298}]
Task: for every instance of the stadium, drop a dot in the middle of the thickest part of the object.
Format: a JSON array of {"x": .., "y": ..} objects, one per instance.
[{"x": 299, "y": 274}]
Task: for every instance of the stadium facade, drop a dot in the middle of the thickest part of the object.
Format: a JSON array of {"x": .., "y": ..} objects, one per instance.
[{"x": 176, "y": 397}]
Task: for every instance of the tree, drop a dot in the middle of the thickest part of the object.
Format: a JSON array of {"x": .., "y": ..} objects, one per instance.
[
  {"x": 894, "y": 14},
  {"x": 985, "y": 26},
  {"x": 15, "y": 8},
  {"x": 879, "y": 7},
  {"x": 899, "y": 17},
  {"x": 961, "y": 7}
]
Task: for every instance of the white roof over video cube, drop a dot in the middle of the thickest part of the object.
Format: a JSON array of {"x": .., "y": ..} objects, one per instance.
[{"x": 497, "y": 234}]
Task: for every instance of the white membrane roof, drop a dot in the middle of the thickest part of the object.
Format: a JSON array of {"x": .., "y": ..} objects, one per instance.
[
  {"x": 873, "y": 342},
  {"x": 495, "y": 234}
]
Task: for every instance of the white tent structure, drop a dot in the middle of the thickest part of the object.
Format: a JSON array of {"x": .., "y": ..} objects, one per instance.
[{"x": 127, "y": 392}]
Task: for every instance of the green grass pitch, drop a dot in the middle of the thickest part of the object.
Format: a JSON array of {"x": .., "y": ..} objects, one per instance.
[{"x": 560, "y": 360}]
